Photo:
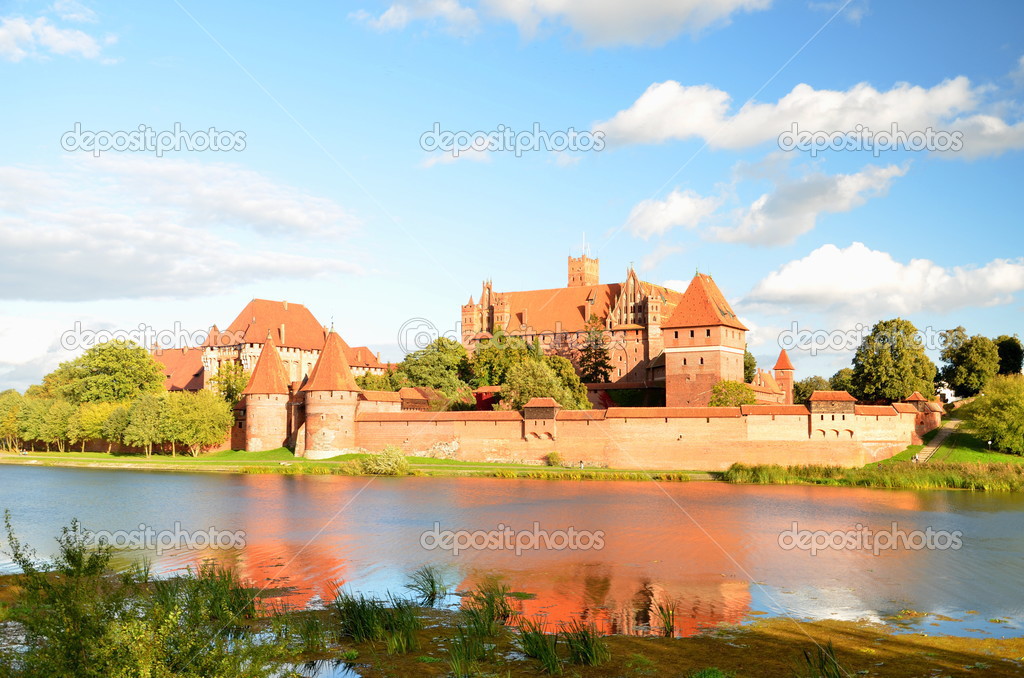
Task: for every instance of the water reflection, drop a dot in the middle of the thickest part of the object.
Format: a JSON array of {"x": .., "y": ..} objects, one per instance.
[{"x": 710, "y": 550}]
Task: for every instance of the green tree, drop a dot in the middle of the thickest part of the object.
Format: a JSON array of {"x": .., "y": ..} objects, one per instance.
[
  {"x": 970, "y": 362},
  {"x": 575, "y": 389},
  {"x": 731, "y": 394},
  {"x": 377, "y": 382},
  {"x": 534, "y": 379},
  {"x": 1011, "y": 354},
  {"x": 114, "y": 371},
  {"x": 145, "y": 422},
  {"x": 842, "y": 380},
  {"x": 749, "y": 366},
  {"x": 998, "y": 415},
  {"x": 493, "y": 359},
  {"x": 803, "y": 389},
  {"x": 87, "y": 422},
  {"x": 595, "y": 364},
  {"x": 57, "y": 423},
  {"x": 442, "y": 366},
  {"x": 229, "y": 382},
  {"x": 890, "y": 363},
  {"x": 115, "y": 425},
  {"x": 11, "y": 403},
  {"x": 203, "y": 420},
  {"x": 171, "y": 415},
  {"x": 32, "y": 420}
]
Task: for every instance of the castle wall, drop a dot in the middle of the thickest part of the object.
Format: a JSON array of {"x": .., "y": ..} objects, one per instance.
[
  {"x": 330, "y": 423},
  {"x": 641, "y": 438},
  {"x": 266, "y": 422}
]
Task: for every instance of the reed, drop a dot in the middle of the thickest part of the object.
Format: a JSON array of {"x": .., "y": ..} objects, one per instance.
[
  {"x": 534, "y": 641},
  {"x": 586, "y": 646},
  {"x": 429, "y": 583},
  {"x": 667, "y": 615},
  {"x": 821, "y": 663}
]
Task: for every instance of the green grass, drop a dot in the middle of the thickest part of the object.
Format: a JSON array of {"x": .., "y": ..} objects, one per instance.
[
  {"x": 897, "y": 476},
  {"x": 963, "y": 448}
]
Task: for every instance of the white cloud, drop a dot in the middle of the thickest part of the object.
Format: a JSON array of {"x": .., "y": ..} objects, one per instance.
[
  {"x": 455, "y": 17},
  {"x": 680, "y": 208},
  {"x": 858, "y": 279},
  {"x": 672, "y": 111},
  {"x": 659, "y": 255},
  {"x": 71, "y": 10},
  {"x": 598, "y": 22},
  {"x": 21, "y": 38},
  {"x": 612, "y": 22},
  {"x": 851, "y": 10},
  {"x": 130, "y": 228},
  {"x": 793, "y": 208}
]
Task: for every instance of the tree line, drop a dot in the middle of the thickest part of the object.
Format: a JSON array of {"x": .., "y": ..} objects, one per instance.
[{"x": 113, "y": 392}]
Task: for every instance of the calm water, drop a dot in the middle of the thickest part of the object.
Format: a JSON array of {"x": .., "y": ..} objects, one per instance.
[{"x": 711, "y": 548}]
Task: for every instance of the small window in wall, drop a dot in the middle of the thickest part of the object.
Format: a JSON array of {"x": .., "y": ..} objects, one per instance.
[
  {"x": 707, "y": 333},
  {"x": 684, "y": 362},
  {"x": 675, "y": 334},
  {"x": 691, "y": 334},
  {"x": 702, "y": 361}
]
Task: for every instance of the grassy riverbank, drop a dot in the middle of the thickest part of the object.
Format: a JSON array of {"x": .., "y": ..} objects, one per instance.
[{"x": 211, "y": 623}]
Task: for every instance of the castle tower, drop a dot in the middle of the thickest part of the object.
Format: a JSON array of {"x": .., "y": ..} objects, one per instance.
[
  {"x": 332, "y": 398},
  {"x": 502, "y": 312},
  {"x": 704, "y": 344},
  {"x": 266, "y": 402},
  {"x": 583, "y": 271},
  {"x": 784, "y": 375},
  {"x": 470, "y": 322}
]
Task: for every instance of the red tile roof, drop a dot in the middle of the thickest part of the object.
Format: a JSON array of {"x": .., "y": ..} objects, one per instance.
[
  {"x": 268, "y": 376},
  {"x": 410, "y": 393},
  {"x": 331, "y": 371},
  {"x": 934, "y": 407},
  {"x": 382, "y": 396},
  {"x": 703, "y": 305},
  {"x": 183, "y": 368},
  {"x": 260, "y": 316},
  {"x": 542, "y": 402},
  {"x": 783, "y": 362},
  {"x": 764, "y": 382},
  {"x": 916, "y": 397},
  {"x": 774, "y": 409},
  {"x": 488, "y": 389},
  {"x": 468, "y": 415},
  {"x": 875, "y": 410},
  {"x": 903, "y": 408},
  {"x": 581, "y": 415},
  {"x": 671, "y": 412},
  {"x": 567, "y": 309},
  {"x": 841, "y": 396}
]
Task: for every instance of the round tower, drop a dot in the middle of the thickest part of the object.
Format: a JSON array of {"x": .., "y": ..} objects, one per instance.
[
  {"x": 266, "y": 402},
  {"x": 332, "y": 399},
  {"x": 784, "y": 375}
]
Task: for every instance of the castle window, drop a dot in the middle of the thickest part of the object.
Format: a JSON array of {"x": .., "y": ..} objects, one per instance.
[
  {"x": 676, "y": 333},
  {"x": 691, "y": 334},
  {"x": 684, "y": 362},
  {"x": 707, "y": 333},
  {"x": 702, "y": 361}
]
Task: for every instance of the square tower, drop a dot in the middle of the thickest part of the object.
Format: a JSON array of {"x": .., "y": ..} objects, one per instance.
[{"x": 583, "y": 271}]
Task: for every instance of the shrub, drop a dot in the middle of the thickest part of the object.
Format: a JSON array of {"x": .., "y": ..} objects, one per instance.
[
  {"x": 553, "y": 459},
  {"x": 390, "y": 462}
]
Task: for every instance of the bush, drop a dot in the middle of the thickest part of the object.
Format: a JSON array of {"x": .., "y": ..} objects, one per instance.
[
  {"x": 553, "y": 459},
  {"x": 390, "y": 462}
]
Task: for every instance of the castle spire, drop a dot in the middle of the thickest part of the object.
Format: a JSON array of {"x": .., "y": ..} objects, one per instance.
[
  {"x": 268, "y": 376},
  {"x": 331, "y": 371}
]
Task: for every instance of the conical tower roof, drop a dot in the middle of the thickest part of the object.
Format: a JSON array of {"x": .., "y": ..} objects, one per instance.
[
  {"x": 703, "y": 305},
  {"x": 331, "y": 372},
  {"x": 783, "y": 363},
  {"x": 269, "y": 375}
]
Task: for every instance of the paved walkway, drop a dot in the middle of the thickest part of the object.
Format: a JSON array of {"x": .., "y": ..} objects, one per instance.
[{"x": 931, "y": 448}]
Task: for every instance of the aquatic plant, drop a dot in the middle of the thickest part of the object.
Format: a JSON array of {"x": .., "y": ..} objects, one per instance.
[
  {"x": 429, "y": 582},
  {"x": 586, "y": 646}
]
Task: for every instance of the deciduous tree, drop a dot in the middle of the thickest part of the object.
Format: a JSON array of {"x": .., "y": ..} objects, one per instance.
[
  {"x": 595, "y": 364},
  {"x": 731, "y": 394},
  {"x": 969, "y": 361},
  {"x": 803, "y": 389},
  {"x": 998, "y": 414},
  {"x": 1011, "y": 354},
  {"x": 890, "y": 363}
]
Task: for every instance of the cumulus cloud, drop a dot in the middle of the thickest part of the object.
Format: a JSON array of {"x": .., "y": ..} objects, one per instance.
[
  {"x": 681, "y": 208},
  {"x": 71, "y": 10},
  {"x": 137, "y": 229},
  {"x": 793, "y": 208},
  {"x": 672, "y": 111},
  {"x": 857, "y": 279},
  {"x": 453, "y": 16},
  {"x": 21, "y": 38},
  {"x": 598, "y": 22}
]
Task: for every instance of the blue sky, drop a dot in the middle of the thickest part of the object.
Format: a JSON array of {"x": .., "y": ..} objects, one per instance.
[{"x": 333, "y": 203}]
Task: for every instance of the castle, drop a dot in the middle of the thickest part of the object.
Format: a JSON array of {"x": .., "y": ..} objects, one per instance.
[
  {"x": 302, "y": 391},
  {"x": 656, "y": 338}
]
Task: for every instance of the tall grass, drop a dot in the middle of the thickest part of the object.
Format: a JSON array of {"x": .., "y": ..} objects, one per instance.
[
  {"x": 366, "y": 619},
  {"x": 466, "y": 652},
  {"x": 586, "y": 646},
  {"x": 667, "y": 615},
  {"x": 429, "y": 583},
  {"x": 662, "y": 476},
  {"x": 821, "y": 663},
  {"x": 534, "y": 641},
  {"x": 898, "y": 475}
]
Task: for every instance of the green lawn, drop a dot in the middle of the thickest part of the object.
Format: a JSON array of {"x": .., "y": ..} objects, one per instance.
[{"x": 963, "y": 448}]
